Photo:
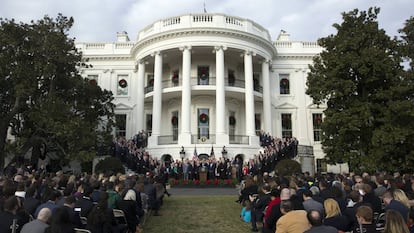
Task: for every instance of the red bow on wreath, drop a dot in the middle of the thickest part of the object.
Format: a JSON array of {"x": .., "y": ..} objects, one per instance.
[
  {"x": 123, "y": 83},
  {"x": 203, "y": 118},
  {"x": 174, "y": 120}
]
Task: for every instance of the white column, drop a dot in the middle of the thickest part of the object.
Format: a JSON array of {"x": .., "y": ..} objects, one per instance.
[
  {"x": 267, "y": 111},
  {"x": 221, "y": 136},
  {"x": 185, "y": 135},
  {"x": 140, "y": 96},
  {"x": 157, "y": 97},
  {"x": 249, "y": 97},
  {"x": 303, "y": 118}
]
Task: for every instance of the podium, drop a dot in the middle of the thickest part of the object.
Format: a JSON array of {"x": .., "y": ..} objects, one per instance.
[{"x": 203, "y": 174}]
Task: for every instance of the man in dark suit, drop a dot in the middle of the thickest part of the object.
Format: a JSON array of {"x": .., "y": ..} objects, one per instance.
[
  {"x": 259, "y": 204},
  {"x": 392, "y": 204},
  {"x": 30, "y": 202},
  {"x": 85, "y": 202},
  {"x": 74, "y": 216},
  {"x": 8, "y": 217},
  {"x": 315, "y": 219},
  {"x": 50, "y": 204}
]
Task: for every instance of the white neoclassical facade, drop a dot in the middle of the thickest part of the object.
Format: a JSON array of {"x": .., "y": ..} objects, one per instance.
[{"x": 206, "y": 81}]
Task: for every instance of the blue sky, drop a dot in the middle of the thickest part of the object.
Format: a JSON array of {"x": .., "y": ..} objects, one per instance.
[{"x": 305, "y": 20}]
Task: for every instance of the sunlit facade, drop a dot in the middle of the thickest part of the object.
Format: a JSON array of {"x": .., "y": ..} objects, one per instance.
[{"x": 206, "y": 81}]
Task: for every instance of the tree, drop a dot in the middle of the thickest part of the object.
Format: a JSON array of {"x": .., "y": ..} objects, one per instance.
[
  {"x": 44, "y": 100},
  {"x": 359, "y": 76}
]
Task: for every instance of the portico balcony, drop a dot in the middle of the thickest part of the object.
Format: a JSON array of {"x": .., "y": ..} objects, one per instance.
[
  {"x": 238, "y": 83},
  {"x": 207, "y": 139}
]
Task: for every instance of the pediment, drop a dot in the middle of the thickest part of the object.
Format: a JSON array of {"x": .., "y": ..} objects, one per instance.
[
  {"x": 122, "y": 106},
  {"x": 286, "y": 106},
  {"x": 316, "y": 106}
]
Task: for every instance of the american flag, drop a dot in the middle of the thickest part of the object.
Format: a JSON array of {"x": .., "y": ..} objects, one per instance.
[{"x": 195, "y": 156}]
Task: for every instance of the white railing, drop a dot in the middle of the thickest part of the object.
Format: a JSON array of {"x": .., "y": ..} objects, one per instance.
[
  {"x": 218, "y": 21},
  {"x": 95, "y": 45},
  {"x": 171, "y": 21}
]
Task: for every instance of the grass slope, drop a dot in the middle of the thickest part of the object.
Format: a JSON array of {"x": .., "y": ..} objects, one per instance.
[{"x": 201, "y": 214}]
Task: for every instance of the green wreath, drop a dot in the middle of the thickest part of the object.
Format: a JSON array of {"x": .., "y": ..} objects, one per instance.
[
  {"x": 203, "y": 118},
  {"x": 204, "y": 75},
  {"x": 174, "y": 120},
  {"x": 174, "y": 78},
  {"x": 123, "y": 83},
  {"x": 232, "y": 120},
  {"x": 284, "y": 82}
]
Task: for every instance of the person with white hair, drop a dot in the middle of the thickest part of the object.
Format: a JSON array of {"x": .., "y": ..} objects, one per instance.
[
  {"x": 40, "y": 224},
  {"x": 275, "y": 212}
]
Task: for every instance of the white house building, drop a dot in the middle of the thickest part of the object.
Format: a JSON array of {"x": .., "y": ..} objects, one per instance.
[{"x": 206, "y": 81}]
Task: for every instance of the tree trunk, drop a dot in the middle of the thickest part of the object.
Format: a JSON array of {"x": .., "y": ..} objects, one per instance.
[{"x": 3, "y": 137}]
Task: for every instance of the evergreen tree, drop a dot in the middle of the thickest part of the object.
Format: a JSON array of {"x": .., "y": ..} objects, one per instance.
[
  {"x": 360, "y": 79},
  {"x": 43, "y": 99}
]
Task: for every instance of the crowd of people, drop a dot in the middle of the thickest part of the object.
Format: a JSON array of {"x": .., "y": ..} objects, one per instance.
[
  {"x": 134, "y": 155},
  {"x": 37, "y": 201},
  {"x": 328, "y": 203},
  {"x": 40, "y": 202}
]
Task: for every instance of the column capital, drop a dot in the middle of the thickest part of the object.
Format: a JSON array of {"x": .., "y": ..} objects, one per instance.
[
  {"x": 248, "y": 53},
  {"x": 265, "y": 60},
  {"x": 155, "y": 53},
  {"x": 219, "y": 47},
  {"x": 185, "y": 47},
  {"x": 141, "y": 61}
]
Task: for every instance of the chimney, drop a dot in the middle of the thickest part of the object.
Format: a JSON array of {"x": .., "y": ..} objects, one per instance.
[
  {"x": 122, "y": 37},
  {"x": 283, "y": 36}
]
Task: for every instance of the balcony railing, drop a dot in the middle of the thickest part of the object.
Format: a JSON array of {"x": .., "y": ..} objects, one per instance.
[
  {"x": 211, "y": 81},
  {"x": 239, "y": 139},
  {"x": 167, "y": 140},
  {"x": 206, "y": 139}
]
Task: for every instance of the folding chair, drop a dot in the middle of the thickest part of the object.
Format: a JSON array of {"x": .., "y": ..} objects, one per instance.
[
  {"x": 79, "y": 230},
  {"x": 380, "y": 222},
  {"x": 120, "y": 216},
  {"x": 84, "y": 220}
]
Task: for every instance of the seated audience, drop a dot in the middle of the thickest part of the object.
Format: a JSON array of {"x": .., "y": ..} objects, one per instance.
[
  {"x": 60, "y": 222},
  {"x": 40, "y": 224},
  {"x": 245, "y": 214},
  {"x": 394, "y": 222},
  {"x": 315, "y": 220},
  {"x": 292, "y": 220},
  {"x": 334, "y": 217},
  {"x": 392, "y": 204},
  {"x": 364, "y": 215}
]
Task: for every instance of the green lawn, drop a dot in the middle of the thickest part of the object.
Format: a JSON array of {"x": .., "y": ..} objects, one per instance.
[{"x": 201, "y": 214}]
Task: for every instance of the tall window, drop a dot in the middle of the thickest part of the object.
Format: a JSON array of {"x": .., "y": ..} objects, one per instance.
[
  {"x": 286, "y": 125},
  {"x": 203, "y": 74},
  {"x": 317, "y": 131},
  {"x": 257, "y": 123},
  {"x": 256, "y": 82},
  {"x": 93, "y": 79},
  {"x": 122, "y": 88},
  {"x": 174, "y": 124},
  {"x": 175, "y": 78},
  {"x": 232, "y": 125},
  {"x": 203, "y": 123},
  {"x": 148, "y": 117},
  {"x": 232, "y": 78},
  {"x": 284, "y": 84},
  {"x": 321, "y": 165},
  {"x": 150, "y": 83},
  {"x": 120, "y": 125}
]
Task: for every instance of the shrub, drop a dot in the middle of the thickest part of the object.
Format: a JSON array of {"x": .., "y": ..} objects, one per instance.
[
  {"x": 288, "y": 167},
  {"x": 110, "y": 165}
]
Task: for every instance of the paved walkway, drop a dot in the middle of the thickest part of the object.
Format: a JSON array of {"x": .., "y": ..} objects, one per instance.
[{"x": 203, "y": 191}]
